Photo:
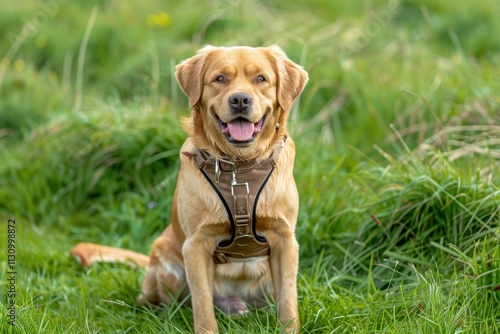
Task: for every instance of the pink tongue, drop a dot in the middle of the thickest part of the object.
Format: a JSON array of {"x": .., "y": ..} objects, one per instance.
[{"x": 241, "y": 130}]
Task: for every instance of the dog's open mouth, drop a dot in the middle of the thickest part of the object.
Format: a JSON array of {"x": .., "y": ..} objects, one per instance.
[{"x": 240, "y": 130}]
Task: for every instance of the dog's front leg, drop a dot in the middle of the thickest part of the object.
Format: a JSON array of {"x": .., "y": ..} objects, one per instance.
[
  {"x": 284, "y": 261},
  {"x": 200, "y": 270}
]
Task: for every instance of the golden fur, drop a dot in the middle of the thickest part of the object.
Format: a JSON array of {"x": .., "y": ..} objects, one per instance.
[{"x": 183, "y": 253}]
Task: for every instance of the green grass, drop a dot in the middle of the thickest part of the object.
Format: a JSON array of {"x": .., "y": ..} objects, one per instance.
[{"x": 398, "y": 158}]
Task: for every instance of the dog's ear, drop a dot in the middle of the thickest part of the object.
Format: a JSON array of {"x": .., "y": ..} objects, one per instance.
[
  {"x": 190, "y": 75},
  {"x": 291, "y": 78}
]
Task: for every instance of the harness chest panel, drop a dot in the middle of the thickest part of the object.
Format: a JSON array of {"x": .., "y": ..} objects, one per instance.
[{"x": 238, "y": 185}]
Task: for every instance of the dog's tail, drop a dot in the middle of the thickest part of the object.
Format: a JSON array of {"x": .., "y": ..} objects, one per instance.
[{"x": 88, "y": 253}]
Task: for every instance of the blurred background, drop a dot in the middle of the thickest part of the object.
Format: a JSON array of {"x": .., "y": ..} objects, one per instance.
[{"x": 398, "y": 148}]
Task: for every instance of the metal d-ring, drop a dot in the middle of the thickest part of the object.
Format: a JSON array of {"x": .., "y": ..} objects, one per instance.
[
  {"x": 233, "y": 181},
  {"x": 217, "y": 169}
]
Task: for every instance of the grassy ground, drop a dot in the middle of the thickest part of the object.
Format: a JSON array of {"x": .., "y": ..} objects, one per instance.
[{"x": 398, "y": 158}]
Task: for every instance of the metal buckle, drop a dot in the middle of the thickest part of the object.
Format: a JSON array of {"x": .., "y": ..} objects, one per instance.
[{"x": 240, "y": 184}]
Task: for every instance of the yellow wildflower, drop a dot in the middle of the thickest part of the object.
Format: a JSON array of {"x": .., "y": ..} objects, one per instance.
[
  {"x": 19, "y": 65},
  {"x": 158, "y": 20}
]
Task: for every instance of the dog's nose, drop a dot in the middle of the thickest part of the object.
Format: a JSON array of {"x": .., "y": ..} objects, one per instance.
[{"x": 240, "y": 101}]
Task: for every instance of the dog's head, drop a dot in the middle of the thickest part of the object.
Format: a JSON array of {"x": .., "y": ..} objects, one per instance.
[{"x": 240, "y": 98}]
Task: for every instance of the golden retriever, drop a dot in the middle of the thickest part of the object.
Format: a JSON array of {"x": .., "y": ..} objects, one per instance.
[{"x": 240, "y": 99}]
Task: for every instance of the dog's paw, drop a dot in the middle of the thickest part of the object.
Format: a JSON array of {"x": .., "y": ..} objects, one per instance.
[{"x": 232, "y": 306}]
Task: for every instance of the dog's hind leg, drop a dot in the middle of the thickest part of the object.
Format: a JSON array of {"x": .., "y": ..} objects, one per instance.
[{"x": 165, "y": 279}]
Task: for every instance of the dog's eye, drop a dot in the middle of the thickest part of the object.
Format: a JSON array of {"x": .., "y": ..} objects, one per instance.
[
  {"x": 261, "y": 78},
  {"x": 219, "y": 78}
]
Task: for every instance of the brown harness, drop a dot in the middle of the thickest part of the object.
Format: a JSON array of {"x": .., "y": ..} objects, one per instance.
[{"x": 239, "y": 185}]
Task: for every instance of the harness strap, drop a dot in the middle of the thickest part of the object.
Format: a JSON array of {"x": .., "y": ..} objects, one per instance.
[{"x": 239, "y": 185}]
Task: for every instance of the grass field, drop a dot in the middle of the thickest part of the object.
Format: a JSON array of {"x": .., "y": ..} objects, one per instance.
[{"x": 398, "y": 158}]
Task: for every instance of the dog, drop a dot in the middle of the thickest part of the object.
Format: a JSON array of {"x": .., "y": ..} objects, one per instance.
[{"x": 232, "y": 233}]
